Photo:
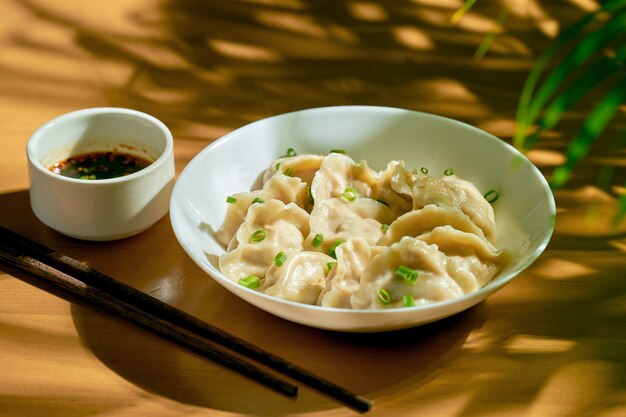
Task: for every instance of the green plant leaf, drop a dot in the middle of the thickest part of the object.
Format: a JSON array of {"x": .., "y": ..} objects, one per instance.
[
  {"x": 585, "y": 49},
  {"x": 594, "y": 125},
  {"x": 485, "y": 44},
  {"x": 597, "y": 73},
  {"x": 467, "y": 4},
  {"x": 529, "y": 105}
]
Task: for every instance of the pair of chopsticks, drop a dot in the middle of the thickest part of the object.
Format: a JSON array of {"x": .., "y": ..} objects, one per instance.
[{"x": 95, "y": 287}]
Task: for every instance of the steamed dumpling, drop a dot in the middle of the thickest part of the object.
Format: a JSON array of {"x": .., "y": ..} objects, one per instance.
[
  {"x": 235, "y": 215},
  {"x": 284, "y": 227},
  {"x": 395, "y": 177},
  {"x": 301, "y": 166},
  {"x": 301, "y": 278},
  {"x": 451, "y": 191},
  {"x": 417, "y": 222},
  {"x": 470, "y": 260},
  {"x": 335, "y": 218},
  {"x": 338, "y": 172},
  {"x": 345, "y": 276},
  {"x": 433, "y": 283},
  {"x": 280, "y": 187}
]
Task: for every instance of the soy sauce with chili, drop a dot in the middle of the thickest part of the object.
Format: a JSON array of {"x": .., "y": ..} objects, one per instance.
[{"x": 100, "y": 165}]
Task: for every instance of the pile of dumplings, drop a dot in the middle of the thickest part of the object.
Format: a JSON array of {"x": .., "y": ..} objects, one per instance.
[{"x": 328, "y": 231}]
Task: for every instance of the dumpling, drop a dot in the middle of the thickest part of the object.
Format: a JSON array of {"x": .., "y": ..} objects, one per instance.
[
  {"x": 281, "y": 187},
  {"x": 392, "y": 178},
  {"x": 301, "y": 278},
  {"x": 345, "y": 276},
  {"x": 335, "y": 218},
  {"x": 235, "y": 215},
  {"x": 338, "y": 172},
  {"x": 379, "y": 279},
  {"x": 286, "y": 189},
  {"x": 402, "y": 180},
  {"x": 302, "y": 166},
  {"x": 451, "y": 191},
  {"x": 471, "y": 260},
  {"x": 269, "y": 228},
  {"x": 417, "y": 222}
]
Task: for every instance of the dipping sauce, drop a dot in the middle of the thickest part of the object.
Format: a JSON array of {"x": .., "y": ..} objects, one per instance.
[{"x": 100, "y": 165}]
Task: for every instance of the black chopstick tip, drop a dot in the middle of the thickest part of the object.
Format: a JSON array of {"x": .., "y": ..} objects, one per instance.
[
  {"x": 362, "y": 404},
  {"x": 293, "y": 392}
]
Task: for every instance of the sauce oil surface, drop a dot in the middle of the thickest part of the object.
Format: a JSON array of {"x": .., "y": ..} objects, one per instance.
[{"x": 100, "y": 165}]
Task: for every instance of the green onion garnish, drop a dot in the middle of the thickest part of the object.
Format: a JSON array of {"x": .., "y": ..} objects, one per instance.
[
  {"x": 424, "y": 170},
  {"x": 231, "y": 200},
  {"x": 280, "y": 258},
  {"x": 288, "y": 172},
  {"x": 384, "y": 227},
  {"x": 384, "y": 296},
  {"x": 407, "y": 273},
  {"x": 349, "y": 194},
  {"x": 338, "y": 151},
  {"x": 330, "y": 265},
  {"x": 383, "y": 202},
  {"x": 258, "y": 200},
  {"x": 277, "y": 165},
  {"x": 251, "y": 281},
  {"x": 258, "y": 236},
  {"x": 408, "y": 300},
  {"x": 331, "y": 250},
  {"x": 291, "y": 152},
  {"x": 491, "y": 196},
  {"x": 310, "y": 194},
  {"x": 317, "y": 240},
  {"x": 448, "y": 172}
]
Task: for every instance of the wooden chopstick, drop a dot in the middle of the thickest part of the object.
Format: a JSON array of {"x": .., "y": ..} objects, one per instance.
[
  {"x": 35, "y": 258},
  {"x": 180, "y": 335}
]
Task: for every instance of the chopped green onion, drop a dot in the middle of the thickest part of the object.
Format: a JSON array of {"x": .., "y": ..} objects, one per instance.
[
  {"x": 349, "y": 194},
  {"x": 338, "y": 151},
  {"x": 280, "y": 258},
  {"x": 424, "y": 170},
  {"x": 291, "y": 152},
  {"x": 277, "y": 165},
  {"x": 331, "y": 251},
  {"x": 448, "y": 172},
  {"x": 231, "y": 200},
  {"x": 258, "y": 200},
  {"x": 384, "y": 296},
  {"x": 310, "y": 194},
  {"x": 408, "y": 300},
  {"x": 251, "y": 281},
  {"x": 330, "y": 265},
  {"x": 288, "y": 172},
  {"x": 407, "y": 273},
  {"x": 383, "y": 202},
  {"x": 258, "y": 236},
  {"x": 384, "y": 227},
  {"x": 317, "y": 240},
  {"x": 492, "y": 196}
]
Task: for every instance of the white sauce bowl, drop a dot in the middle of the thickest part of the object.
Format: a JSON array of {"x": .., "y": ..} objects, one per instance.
[{"x": 104, "y": 209}]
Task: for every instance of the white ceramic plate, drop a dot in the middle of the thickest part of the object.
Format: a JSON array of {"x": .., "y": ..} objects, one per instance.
[{"x": 525, "y": 211}]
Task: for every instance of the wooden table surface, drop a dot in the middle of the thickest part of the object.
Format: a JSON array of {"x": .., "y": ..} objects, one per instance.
[{"x": 551, "y": 343}]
